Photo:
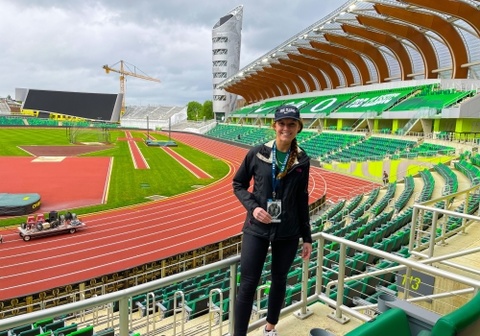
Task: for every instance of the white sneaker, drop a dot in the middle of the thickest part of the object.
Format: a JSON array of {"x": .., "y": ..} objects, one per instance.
[{"x": 272, "y": 332}]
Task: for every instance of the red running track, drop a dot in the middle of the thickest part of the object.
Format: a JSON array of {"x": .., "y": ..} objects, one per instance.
[
  {"x": 34, "y": 175},
  {"x": 196, "y": 171},
  {"x": 121, "y": 239},
  {"x": 138, "y": 159}
]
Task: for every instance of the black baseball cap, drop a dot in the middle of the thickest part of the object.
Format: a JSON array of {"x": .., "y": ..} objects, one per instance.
[{"x": 288, "y": 111}]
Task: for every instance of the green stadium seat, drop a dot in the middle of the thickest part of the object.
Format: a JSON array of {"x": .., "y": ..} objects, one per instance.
[
  {"x": 198, "y": 306},
  {"x": 45, "y": 333},
  {"x": 19, "y": 329},
  {"x": 54, "y": 325},
  {"x": 105, "y": 332},
  {"x": 294, "y": 276},
  {"x": 42, "y": 323},
  {"x": 464, "y": 321},
  {"x": 31, "y": 332},
  {"x": 327, "y": 277},
  {"x": 85, "y": 331},
  {"x": 65, "y": 330},
  {"x": 330, "y": 259},
  {"x": 393, "y": 322},
  {"x": 225, "y": 307},
  {"x": 293, "y": 293},
  {"x": 352, "y": 290}
]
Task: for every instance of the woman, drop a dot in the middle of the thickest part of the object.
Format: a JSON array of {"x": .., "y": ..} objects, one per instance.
[{"x": 280, "y": 169}]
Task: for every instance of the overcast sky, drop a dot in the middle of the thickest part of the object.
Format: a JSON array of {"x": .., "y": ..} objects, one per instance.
[{"x": 63, "y": 44}]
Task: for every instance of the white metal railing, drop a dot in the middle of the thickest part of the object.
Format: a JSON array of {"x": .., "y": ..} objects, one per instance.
[
  {"x": 300, "y": 308},
  {"x": 421, "y": 240}
]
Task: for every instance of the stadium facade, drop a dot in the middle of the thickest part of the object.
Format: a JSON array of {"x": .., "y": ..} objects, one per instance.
[
  {"x": 226, "y": 43},
  {"x": 368, "y": 46},
  {"x": 363, "y": 43}
]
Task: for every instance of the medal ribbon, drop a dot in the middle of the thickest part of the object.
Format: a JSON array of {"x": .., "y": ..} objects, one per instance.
[{"x": 275, "y": 180}]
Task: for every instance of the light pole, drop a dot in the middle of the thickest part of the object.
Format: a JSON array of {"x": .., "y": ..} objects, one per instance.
[{"x": 148, "y": 129}]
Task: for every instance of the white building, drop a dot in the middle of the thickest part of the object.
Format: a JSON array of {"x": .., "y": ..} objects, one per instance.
[{"x": 226, "y": 41}]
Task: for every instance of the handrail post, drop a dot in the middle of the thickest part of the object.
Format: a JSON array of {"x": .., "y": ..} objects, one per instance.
[
  {"x": 413, "y": 230},
  {"x": 337, "y": 315},
  {"x": 123, "y": 315},
  {"x": 175, "y": 311},
  {"x": 94, "y": 312},
  {"x": 303, "y": 312},
  {"x": 130, "y": 307},
  {"x": 232, "y": 295},
  {"x": 433, "y": 233},
  {"x": 150, "y": 295},
  {"x": 321, "y": 243},
  {"x": 110, "y": 315},
  {"x": 465, "y": 211},
  {"x": 444, "y": 230},
  {"x": 212, "y": 310}
]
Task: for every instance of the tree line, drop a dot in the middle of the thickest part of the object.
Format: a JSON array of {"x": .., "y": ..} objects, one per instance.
[{"x": 197, "y": 111}]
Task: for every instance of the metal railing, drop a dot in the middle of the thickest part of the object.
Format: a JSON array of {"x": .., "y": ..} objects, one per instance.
[{"x": 92, "y": 305}]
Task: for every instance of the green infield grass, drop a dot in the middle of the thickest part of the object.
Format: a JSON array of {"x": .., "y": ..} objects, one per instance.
[{"x": 128, "y": 186}]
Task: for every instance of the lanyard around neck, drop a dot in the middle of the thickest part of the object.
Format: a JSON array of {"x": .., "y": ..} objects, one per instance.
[{"x": 274, "y": 168}]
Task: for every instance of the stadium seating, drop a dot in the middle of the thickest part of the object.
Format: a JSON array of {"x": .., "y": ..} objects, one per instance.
[
  {"x": 451, "y": 180},
  {"x": 20, "y": 329},
  {"x": 43, "y": 323},
  {"x": 409, "y": 187},
  {"x": 105, "y": 332},
  {"x": 373, "y": 148},
  {"x": 393, "y": 322},
  {"x": 329, "y": 213},
  {"x": 340, "y": 215},
  {"x": 324, "y": 105},
  {"x": 471, "y": 171},
  {"x": 428, "y": 149},
  {"x": 382, "y": 204},
  {"x": 153, "y": 112},
  {"x": 365, "y": 206},
  {"x": 49, "y": 326},
  {"x": 433, "y": 100},
  {"x": 12, "y": 121},
  {"x": 54, "y": 325},
  {"x": 328, "y": 143},
  {"x": 85, "y": 331},
  {"x": 65, "y": 330},
  {"x": 267, "y": 108},
  {"x": 428, "y": 186},
  {"x": 42, "y": 122},
  {"x": 30, "y": 332},
  {"x": 475, "y": 159},
  {"x": 375, "y": 101},
  {"x": 464, "y": 321}
]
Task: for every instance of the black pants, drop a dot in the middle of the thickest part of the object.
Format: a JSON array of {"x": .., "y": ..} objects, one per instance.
[{"x": 254, "y": 252}]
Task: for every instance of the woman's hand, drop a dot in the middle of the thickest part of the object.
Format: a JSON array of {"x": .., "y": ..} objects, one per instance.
[
  {"x": 262, "y": 216},
  {"x": 306, "y": 251}
]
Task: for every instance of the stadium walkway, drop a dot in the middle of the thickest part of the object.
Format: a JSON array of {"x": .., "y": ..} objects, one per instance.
[{"x": 291, "y": 325}]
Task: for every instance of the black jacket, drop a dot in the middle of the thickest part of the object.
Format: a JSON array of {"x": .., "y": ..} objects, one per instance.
[{"x": 292, "y": 191}]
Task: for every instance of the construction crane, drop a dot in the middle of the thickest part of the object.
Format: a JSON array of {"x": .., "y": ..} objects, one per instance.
[{"x": 123, "y": 73}]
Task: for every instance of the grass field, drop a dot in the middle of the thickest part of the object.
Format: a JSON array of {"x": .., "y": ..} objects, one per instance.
[{"x": 128, "y": 186}]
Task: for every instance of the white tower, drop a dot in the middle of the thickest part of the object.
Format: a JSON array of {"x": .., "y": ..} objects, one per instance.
[{"x": 226, "y": 41}]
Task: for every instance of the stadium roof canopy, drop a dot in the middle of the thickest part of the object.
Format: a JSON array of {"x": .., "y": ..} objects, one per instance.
[{"x": 367, "y": 42}]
